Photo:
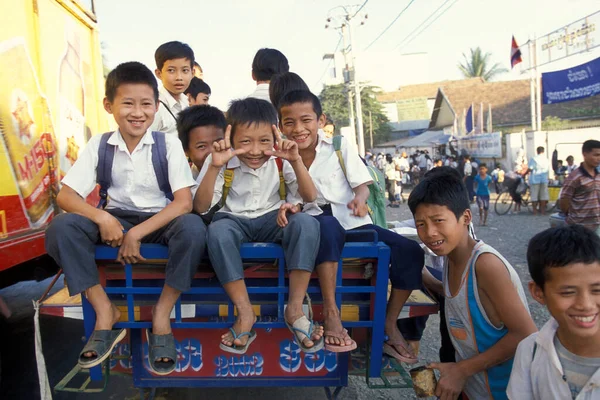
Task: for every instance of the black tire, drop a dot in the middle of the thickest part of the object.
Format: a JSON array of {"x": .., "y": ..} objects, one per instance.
[{"x": 503, "y": 203}]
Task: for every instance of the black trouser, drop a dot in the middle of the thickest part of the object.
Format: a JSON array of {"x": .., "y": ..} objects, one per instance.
[{"x": 513, "y": 185}]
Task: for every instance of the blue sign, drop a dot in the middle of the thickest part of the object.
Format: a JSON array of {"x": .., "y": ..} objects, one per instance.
[{"x": 573, "y": 83}]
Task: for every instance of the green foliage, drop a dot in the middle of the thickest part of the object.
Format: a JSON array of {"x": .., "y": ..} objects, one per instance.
[
  {"x": 334, "y": 99},
  {"x": 551, "y": 123},
  {"x": 477, "y": 65}
]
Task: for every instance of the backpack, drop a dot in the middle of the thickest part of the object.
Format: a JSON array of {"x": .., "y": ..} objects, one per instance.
[
  {"x": 106, "y": 154},
  {"x": 376, "y": 201}
]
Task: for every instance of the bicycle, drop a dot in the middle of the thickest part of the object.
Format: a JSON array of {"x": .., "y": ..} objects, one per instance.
[{"x": 504, "y": 202}]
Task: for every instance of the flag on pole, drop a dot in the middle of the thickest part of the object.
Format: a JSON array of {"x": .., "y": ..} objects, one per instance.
[
  {"x": 469, "y": 120},
  {"x": 515, "y": 53}
]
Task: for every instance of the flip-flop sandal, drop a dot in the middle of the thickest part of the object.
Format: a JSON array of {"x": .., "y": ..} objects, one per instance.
[
  {"x": 339, "y": 348},
  {"x": 159, "y": 347},
  {"x": 303, "y": 328},
  {"x": 388, "y": 348},
  {"x": 102, "y": 343},
  {"x": 236, "y": 349}
]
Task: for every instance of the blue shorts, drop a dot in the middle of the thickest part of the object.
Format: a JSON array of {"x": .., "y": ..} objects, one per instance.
[
  {"x": 483, "y": 202},
  {"x": 333, "y": 237}
]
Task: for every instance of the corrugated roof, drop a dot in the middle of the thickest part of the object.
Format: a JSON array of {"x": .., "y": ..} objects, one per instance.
[{"x": 428, "y": 90}]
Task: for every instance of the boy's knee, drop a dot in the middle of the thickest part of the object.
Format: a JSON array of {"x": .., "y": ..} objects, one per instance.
[
  {"x": 63, "y": 226},
  {"x": 220, "y": 231},
  {"x": 304, "y": 223},
  {"x": 191, "y": 225}
]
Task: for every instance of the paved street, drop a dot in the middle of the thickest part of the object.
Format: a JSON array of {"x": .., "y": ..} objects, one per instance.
[{"x": 61, "y": 337}]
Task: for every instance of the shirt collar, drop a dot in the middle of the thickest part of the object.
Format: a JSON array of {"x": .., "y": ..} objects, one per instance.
[
  {"x": 116, "y": 139},
  {"x": 584, "y": 171},
  {"x": 236, "y": 163},
  {"x": 165, "y": 96}
]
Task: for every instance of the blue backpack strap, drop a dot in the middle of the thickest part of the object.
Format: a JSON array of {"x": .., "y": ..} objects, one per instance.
[
  {"x": 161, "y": 164},
  {"x": 106, "y": 154}
]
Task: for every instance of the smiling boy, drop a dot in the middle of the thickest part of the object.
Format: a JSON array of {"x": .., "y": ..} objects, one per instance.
[
  {"x": 562, "y": 361},
  {"x": 175, "y": 69},
  {"x": 138, "y": 211},
  {"x": 263, "y": 179},
  {"x": 485, "y": 333}
]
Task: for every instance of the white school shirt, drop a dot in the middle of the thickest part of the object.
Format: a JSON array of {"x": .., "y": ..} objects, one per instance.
[
  {"x": 163, "y": 120},
  {"x": 253, "y": 192},
  {"x": 134, "y": 186},
  {"x": 540, "y": 377},
  {"x": 261, "y": 92},
  {"x": 332, "y": 186}
]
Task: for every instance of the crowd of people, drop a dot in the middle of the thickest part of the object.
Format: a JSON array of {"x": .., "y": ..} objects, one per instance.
[{"x": 266, "y": 171}]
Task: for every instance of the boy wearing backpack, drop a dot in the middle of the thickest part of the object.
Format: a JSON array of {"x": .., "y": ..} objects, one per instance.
[
  {"x": 175, "y": 69},
  {"x": 251, "y": 183},
  {"x": 140, "y": 171},
  {"x": 344, "y": 187},
  {"x": 562, "y": 360}
]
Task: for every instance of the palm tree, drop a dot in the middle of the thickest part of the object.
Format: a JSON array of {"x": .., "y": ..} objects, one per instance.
[{"x": 477, "y": 65}]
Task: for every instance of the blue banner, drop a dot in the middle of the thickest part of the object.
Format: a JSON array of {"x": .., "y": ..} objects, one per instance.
[{"x": 573, "y": 83}]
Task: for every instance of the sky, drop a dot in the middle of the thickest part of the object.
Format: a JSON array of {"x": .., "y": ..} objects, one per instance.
[{"x": 226, "y": 34}]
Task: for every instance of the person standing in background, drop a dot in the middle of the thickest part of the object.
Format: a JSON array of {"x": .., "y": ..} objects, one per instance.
[{"x": 539, "y": 166}]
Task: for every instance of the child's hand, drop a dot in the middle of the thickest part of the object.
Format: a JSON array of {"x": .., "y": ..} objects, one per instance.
[
  {"x": 452, "y": 380},
  {"x": 111, "y": 230},
  {"x": 358, "y": 207},
  {"x": 129, "y": 253},
  {"x": 222, "y": 151},
  {"x": 286, "y": 149},
  {"x": 282, "y": 214}
]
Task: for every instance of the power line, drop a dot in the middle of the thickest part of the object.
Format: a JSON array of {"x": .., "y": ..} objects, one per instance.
[
  {"x": 390, "y": 25},
  {"x": 404, "y": 41},
  {"x": 331, "y": 60},
  {"x": 360, "y": 8}
]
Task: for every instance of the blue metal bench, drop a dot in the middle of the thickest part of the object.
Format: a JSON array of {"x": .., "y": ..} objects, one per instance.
[{"x": 130, "y": 290}]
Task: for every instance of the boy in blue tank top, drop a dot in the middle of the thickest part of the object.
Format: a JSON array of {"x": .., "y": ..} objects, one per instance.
[{"x": 486, "y": 309}]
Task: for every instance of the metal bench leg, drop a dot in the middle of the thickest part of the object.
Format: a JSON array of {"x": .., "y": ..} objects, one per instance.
[
  {"x": 151, "y": 394},
  {"x": 380, "y": 306},
  {"x": 333, "y": 395}
]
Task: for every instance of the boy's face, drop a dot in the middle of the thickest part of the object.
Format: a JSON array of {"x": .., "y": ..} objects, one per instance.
[
  {"x": 201, "y": 99},
  {"x": 133, "y": 108},
  {"x": 572, "y": 295},
  {"x": 255, "y": 139},
  {"x": 592, "y": 158},
  {"x": 175, "y": 75},
  {"x": 201, "y": 143},
  {"x": 569, "y": 161},
  {"x": 300, "y": 123},
  {"x": 439, "y": 229},
  {"x": 482, "y": 170}
]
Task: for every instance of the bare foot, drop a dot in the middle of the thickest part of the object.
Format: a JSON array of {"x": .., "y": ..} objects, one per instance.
[
  {"x": 396, "y": 340},
  {"x": 292, "y": 315},
  {"x": 243, "y": 323},
  {"x": 333, "y": 323}
]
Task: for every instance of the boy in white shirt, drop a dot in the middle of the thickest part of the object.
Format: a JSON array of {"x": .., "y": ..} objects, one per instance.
[
  {"x": 138, "y": 211},
  {"x": 263, "y": 179},
  {"x": 340, "y": 207},
  {"x": 562, "y": 361},
  {"x": 175, "y": 69},
  {"x": 266, "y": 64}
]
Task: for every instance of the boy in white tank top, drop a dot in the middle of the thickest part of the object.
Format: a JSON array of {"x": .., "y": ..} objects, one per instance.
[{"x": 486, "y": 309}]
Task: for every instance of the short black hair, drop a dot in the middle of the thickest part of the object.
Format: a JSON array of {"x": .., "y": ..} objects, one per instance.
[
  {"x": 483, "y": 165},
  {"x": 197, "y": 85},
  {"x": 172, "y": 51},
  {"x": 571, "y": 157},
  {"x": 284, "y": 83},
  {"x": 250, "y": 111},
  {"x": 129, "y": 72},
  {"x": 442, "y": 189},
  {"x": 300, "y": 96},
  {"x": 590, "y": 145},
  {"x": 559, "y": 247},
  {"x": 540, "y": 149},
  {"x": 268, "y": 62},
  {"x": 443, "y": 170},
  {"x": 195, "y": 116}
]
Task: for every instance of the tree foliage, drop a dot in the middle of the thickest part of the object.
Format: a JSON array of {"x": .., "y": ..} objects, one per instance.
[
  {"x": 478, "y": 65},
  {"x": 334, "y": 99}
]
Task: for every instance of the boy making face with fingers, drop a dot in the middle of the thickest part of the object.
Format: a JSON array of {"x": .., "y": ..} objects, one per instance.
[{"x": 267, "y": 171}]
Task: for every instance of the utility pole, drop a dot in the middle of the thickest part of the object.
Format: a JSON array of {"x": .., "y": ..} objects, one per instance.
[
  {"x": 371, "y": 128},
  {"x": 344, "y": 22}
]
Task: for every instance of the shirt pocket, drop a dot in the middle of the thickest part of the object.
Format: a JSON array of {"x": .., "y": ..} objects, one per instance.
[{"x": 333, "y": 186}]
